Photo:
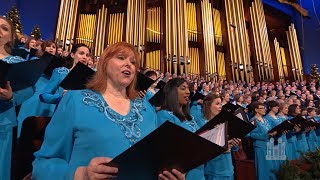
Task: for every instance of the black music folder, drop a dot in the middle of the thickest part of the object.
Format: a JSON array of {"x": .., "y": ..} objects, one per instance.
[
  {"x": 55, "y": 62},
  {"x": 157, "y": 99},
  {"x": 236, "y": 127},
  {"x": 313, "y": 123},
  {"x": 160, "y": 84},
  {"x": 300, "y": 121},
  {"x": 236, "y": 110},
  {"x": 33, "y": 53},
  {"x": 23, "y": 74},
  {"x": 77, "y": 77},
  {"x": 144, "y": 82},
  {"x": 168, "y": 147},
  {"x": 284, "y": 126},
  {"x": 196, "y": 96},
  {"x": 20, "y": 52}
]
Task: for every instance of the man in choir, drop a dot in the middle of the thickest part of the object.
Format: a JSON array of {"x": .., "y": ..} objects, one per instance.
[{"x": 92, "y": 126}]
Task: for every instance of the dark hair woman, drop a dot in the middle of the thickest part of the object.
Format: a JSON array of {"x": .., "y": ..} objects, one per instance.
[{"x": 175, "y": 108}]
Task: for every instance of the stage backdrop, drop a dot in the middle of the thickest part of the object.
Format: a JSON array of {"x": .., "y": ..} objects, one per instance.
[{"x": 44, "y": 13}]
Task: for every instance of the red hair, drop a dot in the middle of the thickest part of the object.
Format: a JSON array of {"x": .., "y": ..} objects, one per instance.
[{"x": 99, "y": 80}]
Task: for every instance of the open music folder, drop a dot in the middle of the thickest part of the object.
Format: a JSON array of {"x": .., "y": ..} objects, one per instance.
[
  {"x": 236, "y": 110},
  {"x": 234, "y": 126},
  {"x": 168, "y": 147},
  {"x": 23, "y": 74},
  {"x": 77, "y": 77}
]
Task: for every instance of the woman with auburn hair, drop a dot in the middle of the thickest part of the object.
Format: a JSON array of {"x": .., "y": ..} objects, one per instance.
[
  {"x": 94, "y": 125},
  {"x": 8, "y": 99},
  {"x": 220, "y": 167}
]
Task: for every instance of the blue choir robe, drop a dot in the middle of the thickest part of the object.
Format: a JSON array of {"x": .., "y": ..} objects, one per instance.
[
  {"x": 53, "y": 92},
  {"x": 84, "y": 127},
  {"x": 302, "y": 145},
  {"x": 8, "y": 121},
  {"x": 196, "y": 111},
  {"x": 149, "y": 95},
  {"x": 312, "y": 140},
  {"x": 260, "y": 138},
  {"x": 33, "y": 106},
  {"x": 274, "y": 122},
  {"x": 163, "y": 116},
  {"x": 292, "y": 144},
  {"x": 317, "y": 118},
  {"x": 219, "y": 168}
]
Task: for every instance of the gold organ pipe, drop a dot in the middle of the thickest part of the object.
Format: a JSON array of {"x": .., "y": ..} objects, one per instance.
[
  {"x": 297, "y": 50},
  {"x": 246, "y": 57},
  {"x": 114, "y": 27},
  {"x": 118, "y": 31},
  {"x": 166, "y": 38},
  {"x": 255, "y": 38},
  {"x": 128, "y": 20},
  {"x": 243, "y": 40},
  {"x": 195, "y": 22},
  {"x": 185, "y": 40},
  {"x": 261, "y": 49},
  {"x": 136, "y": 9},
  {"x": 228, "y": 15},
  {"x": 104, "y": 26},
  {"x": 279, "y": 61},
  {"x": 212, "y": 40},
  {"x": 102, "y": 29},
  {"x": 291, "y": 54},
  {"x": 74, "y": 19},
  {"x": 265, "y": 40},
  {"x": 97, "y": 40},
  {"x": 170, "y": 38},
  {"x": 189, "y": 20},
  {"x": 260, "y": 52},
  {"x": 204, "y": 37},
  {"x": 174, "y": 35},
  {"x": 64, "y": 24},
  {"x": 69, "y": 17},
  {"x": 236, "y": 39},
  {"x": 148, "y": 25},
  {"x": 294, "y": 52},
  {"x": 62, "y": 4},
  {"x": 109, "y": 29},
  {"x": 294, "y": 58}
]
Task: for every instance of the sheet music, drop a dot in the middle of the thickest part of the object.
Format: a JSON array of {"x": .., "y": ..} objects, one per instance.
[
  {"x": 216, "y": 135},
  {"x": 239, "y": 115}
]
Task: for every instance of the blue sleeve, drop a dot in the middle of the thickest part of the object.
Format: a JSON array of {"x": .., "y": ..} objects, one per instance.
[
  {"x": 22, "y": 95},
  {"x": 52, "y": 160},
  {"x": 258, "y": 134},
  {"x": 149, "y": 95},
  {"x": 49, "y": 95},
  {"x": 163, "y": 116}
]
